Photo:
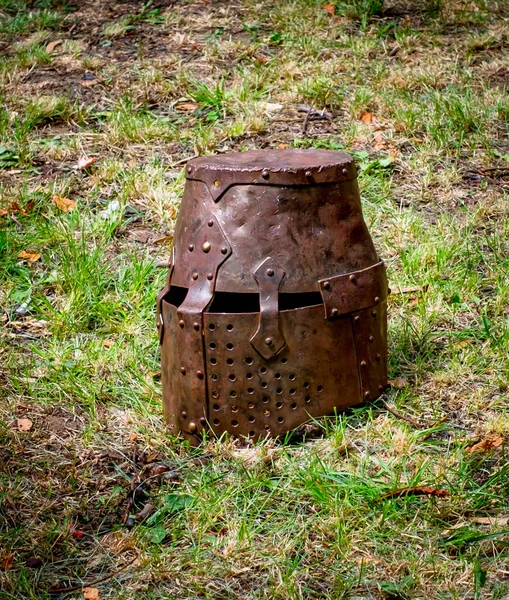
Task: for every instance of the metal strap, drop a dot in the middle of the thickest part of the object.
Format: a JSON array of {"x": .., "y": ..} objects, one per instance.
[
  {"x": 268, "y": 339},
  {"x": 352, "y": 292}
]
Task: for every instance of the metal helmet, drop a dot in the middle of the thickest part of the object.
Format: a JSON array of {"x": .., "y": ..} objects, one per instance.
[{"x": 275, "y": 307}]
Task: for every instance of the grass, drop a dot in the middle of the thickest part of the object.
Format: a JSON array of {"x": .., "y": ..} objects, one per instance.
[{"x": 418, "y": 94}]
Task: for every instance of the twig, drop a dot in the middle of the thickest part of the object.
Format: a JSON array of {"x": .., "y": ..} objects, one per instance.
[
  {"x": 396, "y": 414},
  {"x": 306, "y": 121},
  {"x": 416, "y": 491},
  {"x": 184, "y": 160},
  {"x": 75, "y": 588}
]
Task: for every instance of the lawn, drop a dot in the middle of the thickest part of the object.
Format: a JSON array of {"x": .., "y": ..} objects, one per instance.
[{"x": 101, "y": 105}]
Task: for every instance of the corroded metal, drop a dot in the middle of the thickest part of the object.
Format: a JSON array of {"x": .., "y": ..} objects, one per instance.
[{"x": 275, "y": 307}]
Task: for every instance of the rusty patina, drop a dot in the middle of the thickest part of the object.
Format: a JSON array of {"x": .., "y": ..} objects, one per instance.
[{"x": 275, "y": 307}]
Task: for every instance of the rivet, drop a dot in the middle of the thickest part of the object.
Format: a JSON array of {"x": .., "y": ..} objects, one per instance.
[
  {"x": 210, "y": 276},
  {"x": 373, "y": 313},
  {"x": 182, "y": 323},
  {"x": 270, "y": 272},
  {"x": 195, "y": 276},
  {"x": 224, "y": 250},
  {"x": 217, "y": 183},
  {"x": 356, "y": 318},
  {"x": 184, "y": 414},
  {"x": 352, "y": 278},
  {"x": 326, "y": 285},
  {"x": 199, "y": 374},
  {"x": 265, "y": 174},
  {"x": 203, "y": 421},
  {"x": 206, "y": 247},
  {"x": 210, "y": 222},
  {"x": 367, "y": 395},
  {"x": 371, "y": 339},
  {"x": 345, "y": 171},
  {"x": 215, "y": 393},
  {"x": 380, "y": 388},
  {"x": 196, "y": 326},
  {"x": 183, "y": 370},
  {"x": 377, "y": 299},
  {"x": 378, "y": 357},
  {"x": 190, "y": 247},
  {"x": 269, "y": 341},
  {"x": 309, "y": 174},
  {"x": 189, "y": 169},
  {"x": 334, "y": 312},
  {"x": 192, "y": 427},
  {"x": 364, "y": 363}
]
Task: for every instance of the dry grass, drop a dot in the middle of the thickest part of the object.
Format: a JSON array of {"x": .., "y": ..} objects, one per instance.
[{"x": 419, "y": 94}]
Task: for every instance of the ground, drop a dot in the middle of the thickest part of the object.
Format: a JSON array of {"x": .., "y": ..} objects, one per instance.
[{"x": 102, "y": 103}]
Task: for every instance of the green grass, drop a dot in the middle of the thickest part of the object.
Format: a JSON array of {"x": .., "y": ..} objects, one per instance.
[{"x": 418, "y": 94}]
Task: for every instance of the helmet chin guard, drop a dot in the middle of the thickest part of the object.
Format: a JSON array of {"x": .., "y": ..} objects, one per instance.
[{"x": 275, "y": 307}]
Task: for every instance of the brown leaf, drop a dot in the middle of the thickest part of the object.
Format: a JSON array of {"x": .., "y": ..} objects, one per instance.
[
  {"x": 366, "y": 117},
  {"x": 187, "y": 107},
  {"x": 399, "y": 383},
  {"x": 416, "y": 491},
  {"x": 24, "y": 424},
  {"x": 330, "y": 9},
  {"x": 90, "y": 593},
  {"x": 163, "y": 240},
  {"x": 29, "y": 256},
  {"x": 493, "y": 521},
  {"x": 3, "y": 212},
  {"x": 486, "y": 445},
  {"x": 86, "y": 83},
  {"x": 7, "y": 562},
  {"x": 52, "y": 45},
  {"x": 379, "y": 140},
  {"x": 85, "y": 162},
  {"x": 64, "y": 204},
  {"x": 108, "y": 343}
]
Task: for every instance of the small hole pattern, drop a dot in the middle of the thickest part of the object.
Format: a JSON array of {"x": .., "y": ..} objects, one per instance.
[{"x": 251, "y": 395}]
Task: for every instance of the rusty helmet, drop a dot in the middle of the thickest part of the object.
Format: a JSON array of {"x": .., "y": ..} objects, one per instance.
[{"x": 274, "y": 310}]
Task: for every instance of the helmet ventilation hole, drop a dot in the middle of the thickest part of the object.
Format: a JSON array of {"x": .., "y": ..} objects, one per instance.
[
  {"x": 249, "y": 360},
  {"x": 231, "y": 377},
  {"x": 212, "y": 326},
  {"x": 280, "y": 420},
  {"x": 235, "y": 423},
  {"x": 216, "y": 421},
  {"x": 229, "y": 361},
  {"x": 229, "y": 346},
  {"x": 229, "y": 327},
  {"x": 235, "y": 408}
]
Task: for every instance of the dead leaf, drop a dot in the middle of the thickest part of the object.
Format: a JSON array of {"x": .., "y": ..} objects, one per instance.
[
  {"x": 90, "y": 593},
  {"x": 486, "y": 445},
  {"x": 7, "y": 562},
  {"x": 108, "y": 343},
  {"x": 366, "y": 117},
  {"x": 398, "y": 384},
  {"x": 416, "y": 491},
  {"x": 24, "y": 424},
  {"x": 52, "y": 45},
  {"x": 330, "y": 9},
  {"x": 163, "y": 240},
  {"x": 133, "y": 437},
  {"x": 379, "y": 140},
  {"x": 85, "y": 163},
  {"x": 29, "y": 256},
  {"x": 493, "y": 521},
  {"x": 3, "y": 212},
  {"x": 282, "y": 146},
  {"x": 86, "y": 83},
  {"x": 187, "y": 107},
  {"x": 261, "y": 60},
  {"x": 64, "y": 204}
]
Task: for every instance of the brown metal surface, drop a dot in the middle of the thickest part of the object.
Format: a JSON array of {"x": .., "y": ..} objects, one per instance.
[{"x": 275, "y": 307}]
